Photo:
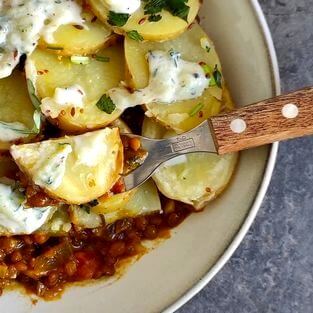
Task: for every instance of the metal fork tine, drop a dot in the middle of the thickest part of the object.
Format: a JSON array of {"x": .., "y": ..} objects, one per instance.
[{"x": 161, "y": 150}]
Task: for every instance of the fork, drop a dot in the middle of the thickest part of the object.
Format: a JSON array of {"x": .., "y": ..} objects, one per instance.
[{"x": 280, "y": 118}]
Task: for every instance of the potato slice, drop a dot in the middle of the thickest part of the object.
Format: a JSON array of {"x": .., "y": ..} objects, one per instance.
[
  {"x": 75, "y": 169},
  {"x": 73, "y": 39},
  {"x": 167, "y": 28},
  {"x": 49, "y": 71},
  {"x": 195, "y": 178},
  {"x": 144, "y": 200},
  {"x": 193, "y": 46},
  {"x": 16, "y": 110}
]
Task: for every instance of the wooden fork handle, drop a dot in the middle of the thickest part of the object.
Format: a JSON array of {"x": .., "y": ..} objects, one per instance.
[{"x": 284, "y": 117}]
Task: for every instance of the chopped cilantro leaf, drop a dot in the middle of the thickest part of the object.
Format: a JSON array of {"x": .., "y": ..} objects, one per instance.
[
  {"x": 217, "y": 75},
  {"x": 154, "y": 18},
  {"x": 134, "y": 35},
  {"x": 106, "y": 104},
  {"x": 118, "y": 19}
]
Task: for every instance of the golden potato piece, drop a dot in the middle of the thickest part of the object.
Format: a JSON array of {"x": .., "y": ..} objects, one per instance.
[
  {"x": 167, "y": 28},
  {"x": 49, "y": 72},
  {"x": 75, "y": 169},
  {"x": 143, "y": 200},
  {"x": 196, "y": 178},
  {"x": 16, "y": 111},
  {"x": 74, "y": 39},
  {"x": 194, "y": 46}
]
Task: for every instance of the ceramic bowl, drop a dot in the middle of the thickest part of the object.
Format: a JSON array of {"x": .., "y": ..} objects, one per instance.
[{"x": 171, "y": 274}]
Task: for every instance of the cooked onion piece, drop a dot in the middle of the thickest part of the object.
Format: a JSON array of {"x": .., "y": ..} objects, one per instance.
[
  {"x": 70, "y": 91},
  {"x": 167, "y": 27},
  {"x": 143, "y": 200},
  {"x": 193, "y": 46},
  {"x": 80, "y": 39},
  {"x": 195, "y": 178},
  {"x": 75, "y": 169},
  {"x": 16, "y": 111}
]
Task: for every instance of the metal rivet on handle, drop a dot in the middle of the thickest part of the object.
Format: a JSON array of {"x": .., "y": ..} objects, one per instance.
[
  {"x": 238, "y": 125},
  {"x": 290, "y": 110}
]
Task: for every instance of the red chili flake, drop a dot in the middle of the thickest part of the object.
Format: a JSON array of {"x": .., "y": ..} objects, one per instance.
[
  {"x": 208, "y": 189},
  {"x": 200, "y": 114},
  {"x": 15, "y": 53},
  {"x": 46, "y": 71},
  {"x": 80, "y": 92},
  {"x": 190, "y": 26},
  {"x": 93, "y": 19},
  {"x": 40, "y": 72},
  {"x": 73, "y": 112},
  {"x": 80, "y": 27},
  {"x": 142, "y": 21}
]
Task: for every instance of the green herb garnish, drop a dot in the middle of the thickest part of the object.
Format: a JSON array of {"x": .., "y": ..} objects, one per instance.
[
  {"x": 101, "y": 58},
  {"x": 106, "y": 104},
  {"x": 175, "y": 7},
  {"x": 196, "y": 109},
  {"x": 217, "y": 75},
  {"x": 154, "y": 6},
  {"x": 178, "y": 8},
  {"x": 118, "y": 19},
  {"x": 55, "y": 48},
  {"x": 32, "y": 93},
  {"x": 154, "y": 18},
  {"x": 134, "y": 35}
]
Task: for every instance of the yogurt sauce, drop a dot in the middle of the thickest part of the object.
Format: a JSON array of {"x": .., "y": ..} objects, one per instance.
[
  {"x": 171, "y": 79},
  {"x": 14, "y": 217},
  {"x": 122, "y": 6},
  {"x": 50, "y": 169},
  {"x": 64, "y": 98},
  {"x": 23, "y": 22}
]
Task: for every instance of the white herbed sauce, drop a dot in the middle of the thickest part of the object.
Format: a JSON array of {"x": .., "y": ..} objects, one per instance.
[
  {"x": 64, "y": 98},
  {"x": 23, "y": 22},
  {"x": 171, "y": 79},
  {"x": 122, "y": 6},
  {"x": 50, "y": 169},
  {"x": 14, "y": 217},
  {"x": 90, "y": 148},
  {"x": 12, "y": 131}
]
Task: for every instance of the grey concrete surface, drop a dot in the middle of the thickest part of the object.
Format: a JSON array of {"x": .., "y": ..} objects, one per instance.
[{"x": 272, "y": 271}]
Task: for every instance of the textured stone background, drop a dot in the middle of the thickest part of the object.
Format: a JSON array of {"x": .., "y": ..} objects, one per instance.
[{"x": 272, "y": 271}]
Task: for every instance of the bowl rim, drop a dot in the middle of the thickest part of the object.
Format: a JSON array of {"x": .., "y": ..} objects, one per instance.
[{"x": 268, "y": 172}]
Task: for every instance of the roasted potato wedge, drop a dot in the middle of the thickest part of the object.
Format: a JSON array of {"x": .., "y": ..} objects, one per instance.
[
  {"x": 194, "y": 46},
  {"x": 75, "y": 169},
  {"x": 74, "y": 39},
  {"x": 16, "y": 111},
  {"x": 196, "y": 178},
  {"x": 166, "y": 28},
  {"x": 49, "y": 72},
  {"x": 144, "y": 200}
]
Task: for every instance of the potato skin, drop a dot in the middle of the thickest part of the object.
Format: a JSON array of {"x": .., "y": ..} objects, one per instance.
[{"x": 167, "y": 28}]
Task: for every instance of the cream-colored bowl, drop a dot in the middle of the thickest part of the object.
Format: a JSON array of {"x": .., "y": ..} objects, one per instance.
[{"x": 170, "y": 275}]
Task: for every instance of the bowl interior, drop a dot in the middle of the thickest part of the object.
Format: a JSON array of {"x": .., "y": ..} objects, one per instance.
[{"x": 161, "y": 277}]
